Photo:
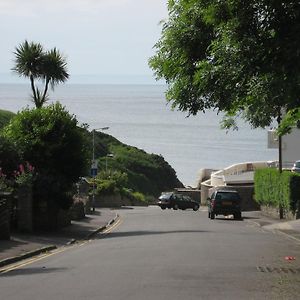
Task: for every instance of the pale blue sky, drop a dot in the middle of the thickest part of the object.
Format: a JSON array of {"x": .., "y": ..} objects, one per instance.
[{"x": 98, "y": 37}]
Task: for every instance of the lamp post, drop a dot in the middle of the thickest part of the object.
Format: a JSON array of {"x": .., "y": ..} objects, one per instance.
[{"x": 94, "y": 167}]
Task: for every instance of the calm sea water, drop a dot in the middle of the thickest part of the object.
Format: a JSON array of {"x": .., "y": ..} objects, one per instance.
[{"x": 138, "y": 115}]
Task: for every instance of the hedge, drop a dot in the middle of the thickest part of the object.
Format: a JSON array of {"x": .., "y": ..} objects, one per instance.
[{"x": 276, "y": 189}]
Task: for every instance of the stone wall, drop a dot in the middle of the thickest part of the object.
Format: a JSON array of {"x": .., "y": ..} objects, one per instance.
[
  {"x": 274, "y": 213},
  {"x": 4, "y": 218},
  {"x": 25, "y": 209}
]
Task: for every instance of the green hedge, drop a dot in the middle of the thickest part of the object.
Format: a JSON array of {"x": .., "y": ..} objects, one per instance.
[{"x": 277, "y": 189}]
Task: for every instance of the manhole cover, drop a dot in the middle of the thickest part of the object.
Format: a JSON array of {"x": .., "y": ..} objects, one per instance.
[{"x": 267, "y": 269}]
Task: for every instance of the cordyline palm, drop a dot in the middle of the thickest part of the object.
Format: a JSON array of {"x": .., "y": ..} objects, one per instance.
[{"x": 31, "y": 61}]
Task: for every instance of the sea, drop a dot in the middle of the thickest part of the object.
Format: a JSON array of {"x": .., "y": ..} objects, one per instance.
[{"x": 139, "y": 115}]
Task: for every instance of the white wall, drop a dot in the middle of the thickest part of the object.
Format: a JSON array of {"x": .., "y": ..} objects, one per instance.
[{"x": 291, "y": 148}]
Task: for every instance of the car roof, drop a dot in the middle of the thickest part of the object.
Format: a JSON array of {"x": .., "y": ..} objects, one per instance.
[{"x": 226, "y": 191}]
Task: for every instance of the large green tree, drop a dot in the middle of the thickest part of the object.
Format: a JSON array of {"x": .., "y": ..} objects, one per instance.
[
  {"x": 32, "y": 61},
  {"x": 242, "y": 58},
  {"x": 51, "y": 141}
]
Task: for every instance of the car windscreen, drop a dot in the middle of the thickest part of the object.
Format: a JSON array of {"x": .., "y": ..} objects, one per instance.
[
  {"x": 297, "y": 164},
  {"x": 165, "y": 197},
  {"x": 228, "y": 196}
]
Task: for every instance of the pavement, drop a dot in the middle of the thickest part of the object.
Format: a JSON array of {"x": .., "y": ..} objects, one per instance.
[{"x": 22, "y": 246}]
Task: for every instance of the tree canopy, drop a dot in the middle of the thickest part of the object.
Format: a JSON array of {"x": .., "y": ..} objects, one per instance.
[
  {"x": 32, "y": 61},
  {"x": 242, "y": 58},
  {"x": 51, "y": 141}
]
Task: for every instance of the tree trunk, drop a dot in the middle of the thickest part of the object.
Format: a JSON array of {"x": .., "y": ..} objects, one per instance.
[
  {"x": 43, "y": 100},
  {"x": 33, "y": 90}
]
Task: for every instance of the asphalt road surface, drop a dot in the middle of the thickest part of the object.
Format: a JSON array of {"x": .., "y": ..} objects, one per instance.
[{"x": 155, "y": 254}]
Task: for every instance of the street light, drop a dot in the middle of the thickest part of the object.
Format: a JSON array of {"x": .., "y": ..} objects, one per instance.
[{"x": 94, "y": 167}]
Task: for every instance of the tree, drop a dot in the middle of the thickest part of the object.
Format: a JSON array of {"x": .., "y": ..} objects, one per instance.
[
  {"x": 51, "y": 141},
  {"x": 49, "y": 66},
  {"x": 242, "y": 58}
]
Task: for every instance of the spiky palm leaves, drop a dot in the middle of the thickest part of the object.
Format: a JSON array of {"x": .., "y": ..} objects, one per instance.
[{"x": 49, "y": 66}]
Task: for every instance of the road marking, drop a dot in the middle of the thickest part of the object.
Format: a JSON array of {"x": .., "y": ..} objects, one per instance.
[
  {"x": 32, "y": 260},
  {"x": 29, "y": 261},
  {"x": 114, "y": 226}
]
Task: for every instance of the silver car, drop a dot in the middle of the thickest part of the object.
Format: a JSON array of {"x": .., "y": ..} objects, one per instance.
[{"x": 296, "y": 166}]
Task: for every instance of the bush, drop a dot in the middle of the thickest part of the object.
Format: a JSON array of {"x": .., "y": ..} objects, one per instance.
[
  {"x": 111, "y": 182},
  {"x": 276, "y": 189},
  {"x": 50, "y": 140}
]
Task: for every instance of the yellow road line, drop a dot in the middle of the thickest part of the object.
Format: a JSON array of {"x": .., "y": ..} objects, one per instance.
[
  {"x": 53, "y": 252},
  {"x": 114, "y": 226},
  {"x": 31, "y": 260}
]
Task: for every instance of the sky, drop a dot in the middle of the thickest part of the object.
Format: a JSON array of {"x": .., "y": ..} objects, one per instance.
[{"x": 103, "y": 40}]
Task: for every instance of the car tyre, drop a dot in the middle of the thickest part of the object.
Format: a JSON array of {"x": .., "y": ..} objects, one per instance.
[
  {"x": 175, "y": 207},
  {"x": 163, "y": 207},
  {"x": 196, "y": 207},
  {"x": 238, "y": 216}
]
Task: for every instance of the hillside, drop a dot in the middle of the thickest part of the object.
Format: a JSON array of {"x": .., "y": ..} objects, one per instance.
[
  {"x": 147, "y": 173},
  {"x": 5, "y": 117}
]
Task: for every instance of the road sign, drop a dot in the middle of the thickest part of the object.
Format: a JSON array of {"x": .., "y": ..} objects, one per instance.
[
  {"x": 94, "y": 164},
  {"x": 94, "y": 171}
]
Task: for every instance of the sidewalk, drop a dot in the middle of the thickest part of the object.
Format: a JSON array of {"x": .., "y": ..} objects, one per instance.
[
  {"x": 22, "y": 246},
  {"x": 288, "y": 228}
]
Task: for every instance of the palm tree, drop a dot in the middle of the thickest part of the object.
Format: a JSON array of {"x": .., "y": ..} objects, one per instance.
[
  {"x": 54, "y": 70},
  {"x": 28, "y": 62},
  {"x": 33, "y": 62}
]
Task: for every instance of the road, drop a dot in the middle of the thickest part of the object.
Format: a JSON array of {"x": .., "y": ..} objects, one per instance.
[{"x": 155, "y": 254}]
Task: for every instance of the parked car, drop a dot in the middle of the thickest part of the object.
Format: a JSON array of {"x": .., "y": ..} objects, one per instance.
[
  {"x": 177, "y": 201},
  {"x": 224, "y": 202},
  {"x": 296, "y": 167}
]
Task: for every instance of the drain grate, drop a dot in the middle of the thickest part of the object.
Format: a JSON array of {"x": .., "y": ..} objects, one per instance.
[{"x": 267, "y": 269}]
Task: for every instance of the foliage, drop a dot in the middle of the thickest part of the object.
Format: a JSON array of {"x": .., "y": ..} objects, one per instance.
[
  {"x": 5, "y": 117},
  {"x": 50, "y": 140},
  {"x": 147, "y": 173},
  {"x": 233, "y": 56},
  {"x": 5, "y": 185},
  {"x": 276, "y": 189},
  {"x": 111, "y": 182},
  {"x": 25, "y": 175},
  {"x": 9, "y": 156},
  {"x": 139, "y": 197},
  {"x": 291, "y": 119},
  {"x": 32, "y": 61}
]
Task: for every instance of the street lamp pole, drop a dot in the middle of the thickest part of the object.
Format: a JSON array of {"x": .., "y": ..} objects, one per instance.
[{"x": 94, "y": 167}]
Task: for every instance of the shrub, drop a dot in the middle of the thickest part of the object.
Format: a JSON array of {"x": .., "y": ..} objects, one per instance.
[
  {"x": 276, "y": 189},
  {"x": 51, "y": 141}
]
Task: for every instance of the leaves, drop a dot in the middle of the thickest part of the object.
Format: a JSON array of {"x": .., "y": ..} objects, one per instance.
[
  {"x": 32, "y": 61},
  {"x": 238, "y": 57}
]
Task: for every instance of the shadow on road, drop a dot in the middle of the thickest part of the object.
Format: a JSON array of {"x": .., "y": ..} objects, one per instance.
[
  {"x": 31, "y": 271},
  {"x": 143, "y": 233}
]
